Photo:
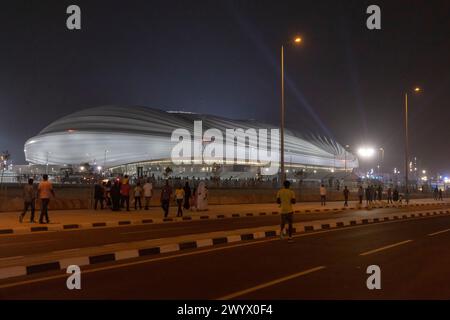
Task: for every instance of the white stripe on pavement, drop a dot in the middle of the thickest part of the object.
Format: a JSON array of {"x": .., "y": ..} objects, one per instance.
[
  {"x": 385, "y": 248},
  {"x": 13, "y": 272},
  {"x": 270, "y": 283},
  {"x": 439, "y": 232}
]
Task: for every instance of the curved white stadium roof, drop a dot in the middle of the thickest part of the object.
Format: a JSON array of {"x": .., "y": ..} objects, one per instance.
[{"x": 117, "y": 135}]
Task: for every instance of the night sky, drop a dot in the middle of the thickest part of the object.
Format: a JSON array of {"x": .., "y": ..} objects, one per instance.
[{"x": 222, "y": 57}]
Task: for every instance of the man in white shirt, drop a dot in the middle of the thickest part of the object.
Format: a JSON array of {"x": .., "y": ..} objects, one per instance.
[
  {"x": 323, "y": 195},
  {"x": 148, "y": 189}
]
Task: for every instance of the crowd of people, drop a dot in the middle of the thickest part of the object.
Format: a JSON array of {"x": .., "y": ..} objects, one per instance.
[
  {"x": 374, "y": 193},
  {"x": 117, "y": 195}
]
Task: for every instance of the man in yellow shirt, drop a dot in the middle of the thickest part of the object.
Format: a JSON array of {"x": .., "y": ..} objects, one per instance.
[
  {"x": 179, "y": 197},
  {"x": 286, "y": 198}
]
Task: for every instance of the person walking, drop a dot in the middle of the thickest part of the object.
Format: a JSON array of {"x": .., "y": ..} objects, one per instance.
[
  {"x": 323, "y": 195},
  {"x": 107, "y": 187},
  {"x": 440, "y": 195},
  {"x": 286, "y": 198},
  {"x": 360, "y": 194},
  {"x": 193, "y": 200},
  {"x": 395, "y": 195},
  {"x": 99, "y": 193},
  {"x": 148, "y": 189},
  {"x": 389, "y": 195},
  {"x": 346, "y": 193},
  {"x": 179, "y": 198},
  {"x": 125, "y": 193},
  {"x": 166, "y": 194},
  {"x": 187, "y": 196},
  {"x": 115, "y": 196},
  {"x": 367, "y": 195},
  {"x": 137, "y": 196},
  {"x": 380, "y": 193},
  {"x": 29, "y": 200},
  {"x": 45, "y": 191}
]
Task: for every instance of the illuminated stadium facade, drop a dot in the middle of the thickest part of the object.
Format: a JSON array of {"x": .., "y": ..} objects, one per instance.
[{"x": 137, "y": 140}]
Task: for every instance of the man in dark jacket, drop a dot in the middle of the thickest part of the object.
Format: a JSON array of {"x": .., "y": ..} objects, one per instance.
[
  {"x": 29, "y": 200},
  {"x": 99, "y": 193},
  {"x": 166, "y": 194},
  {"x": 346, "y": 193},
  {"x": 115, "y": 196}
]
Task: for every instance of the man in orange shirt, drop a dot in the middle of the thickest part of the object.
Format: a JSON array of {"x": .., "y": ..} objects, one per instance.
[{"x": 45, "y": 191}]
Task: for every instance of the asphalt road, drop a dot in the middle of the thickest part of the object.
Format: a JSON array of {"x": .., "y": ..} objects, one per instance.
[
  {"x": 37, "y": 243},
  {"x": 413, "y": 256}
]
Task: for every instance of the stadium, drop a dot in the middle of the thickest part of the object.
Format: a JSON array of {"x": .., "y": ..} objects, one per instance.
[{"x": 136, "y": 140}]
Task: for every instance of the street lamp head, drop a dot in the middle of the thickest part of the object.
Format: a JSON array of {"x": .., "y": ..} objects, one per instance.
[
  {"x": 417, "y": 89},
  {"x": 298, "y": 40},
  {"x": 366, "y": 152}
]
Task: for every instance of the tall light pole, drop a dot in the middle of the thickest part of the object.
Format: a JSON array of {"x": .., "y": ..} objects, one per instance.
[
  {"x": 297, "y": 40},
  {"x": 417, "y": 90},
  {"x": 46, "y": 167},
  {"x": 104, "y": 160},
  {"x": 345, "y": 157},
  {"x": 380, "y": 169}
]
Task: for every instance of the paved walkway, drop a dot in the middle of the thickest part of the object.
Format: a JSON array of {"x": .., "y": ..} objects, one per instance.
[{"x": 86, "y": 218}]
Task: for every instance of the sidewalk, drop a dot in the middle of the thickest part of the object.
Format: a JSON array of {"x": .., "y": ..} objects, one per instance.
[{"x": 75, "y": 219}]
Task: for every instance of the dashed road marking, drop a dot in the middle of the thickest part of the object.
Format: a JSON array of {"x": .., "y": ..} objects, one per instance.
[{"x": 385, "y": 247}]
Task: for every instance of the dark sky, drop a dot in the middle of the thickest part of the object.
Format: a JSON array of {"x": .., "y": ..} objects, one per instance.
[{"x": 222, "y": 57}]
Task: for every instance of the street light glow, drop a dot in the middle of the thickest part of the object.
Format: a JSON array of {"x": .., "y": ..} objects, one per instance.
[
  {"x": 366, "y": 152},
  {"x": 417, "y": 89},
  {"x": 298, "y": 40}
]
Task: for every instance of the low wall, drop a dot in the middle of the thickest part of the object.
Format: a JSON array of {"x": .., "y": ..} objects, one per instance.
[{"x": 69, "y": 197}]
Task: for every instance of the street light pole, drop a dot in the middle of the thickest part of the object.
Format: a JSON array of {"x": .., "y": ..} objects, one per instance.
[
  {"x": 416, "y": 90},
  {"x": 46, "y": 168},
  {"x": 345, "y": 157},
  {"x": 380, "y": 169},
  {"x": 104, "y": 160},
  {"x": 406, "y": 149},
  {"x": 297, "y": 40},
  {"x": 283, "y": 173}
]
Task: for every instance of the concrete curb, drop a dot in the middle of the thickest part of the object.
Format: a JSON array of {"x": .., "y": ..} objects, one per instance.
[
  {"x": 16, "y": 271},
  {"x": 93, "y": 225}
]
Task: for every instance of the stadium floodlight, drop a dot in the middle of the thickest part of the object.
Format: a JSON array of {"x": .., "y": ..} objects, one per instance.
[{"x": 366, "y": 152}]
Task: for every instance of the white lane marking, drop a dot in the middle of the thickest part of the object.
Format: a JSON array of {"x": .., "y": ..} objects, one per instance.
[
  {"x": 270, "y": 283},
  {"x": 385, "y": 247},
  {"x": 438, "y": 232},
  {"x": 33, "y": 242},
  {"x": 11, "y": 258},
  {"x": 204, "y": 243},
  {"x": 153, "y": 231},
  {"x": 127, "y": 254},
  {"x": 66, "y": 250},
  {"x": 13, "y": 272}
]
